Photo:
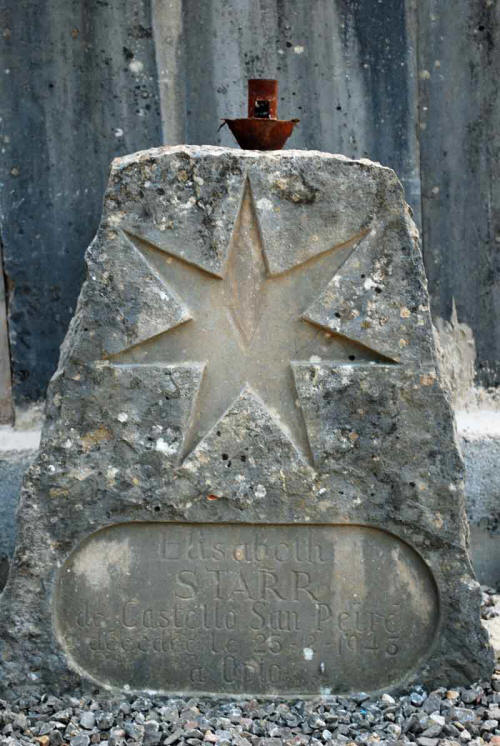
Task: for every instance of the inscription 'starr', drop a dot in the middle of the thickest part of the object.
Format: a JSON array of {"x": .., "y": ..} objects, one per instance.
[
  {"x": 246, "y": 327},
  {"x": 249, "y": 609}
]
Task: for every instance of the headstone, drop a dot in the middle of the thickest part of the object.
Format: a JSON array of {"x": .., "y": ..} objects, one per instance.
[{"x": 248, "y": 481}]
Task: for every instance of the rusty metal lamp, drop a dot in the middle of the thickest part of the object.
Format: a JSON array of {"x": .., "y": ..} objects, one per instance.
[{"x": 261, "y": 130}]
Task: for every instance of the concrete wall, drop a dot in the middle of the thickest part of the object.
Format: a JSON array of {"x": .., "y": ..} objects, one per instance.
[
  {"x": 459, "y": 96},
  {"x": 79, "y": 86},
  {"x": 413, "y": 85}
]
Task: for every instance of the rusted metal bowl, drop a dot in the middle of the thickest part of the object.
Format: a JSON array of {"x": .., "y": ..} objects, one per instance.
[{"x": 261, "y": 134}]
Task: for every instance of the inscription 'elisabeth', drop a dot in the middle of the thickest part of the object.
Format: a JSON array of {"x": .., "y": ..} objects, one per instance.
[{"x": 199, "y": 547}]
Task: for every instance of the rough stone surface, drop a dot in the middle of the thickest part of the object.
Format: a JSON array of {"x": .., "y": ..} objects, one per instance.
[
  {"x": 150, "y": 420},
  {"x": 13, "y": 465},
  {"x": 480, "y": 455}
]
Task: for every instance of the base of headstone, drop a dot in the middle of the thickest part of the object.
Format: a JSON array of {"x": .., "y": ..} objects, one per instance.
[{"x": 248, "y": 482}]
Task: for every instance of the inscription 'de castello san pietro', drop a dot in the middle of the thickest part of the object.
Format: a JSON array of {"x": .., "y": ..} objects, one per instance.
[{"x": 236, "y": 608}]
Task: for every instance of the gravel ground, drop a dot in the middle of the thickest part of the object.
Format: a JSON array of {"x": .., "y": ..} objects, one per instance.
[{"x": 444, "y": 717}]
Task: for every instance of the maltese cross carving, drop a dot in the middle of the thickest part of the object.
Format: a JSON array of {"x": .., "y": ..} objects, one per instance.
[{"x": 246, "y": 329}]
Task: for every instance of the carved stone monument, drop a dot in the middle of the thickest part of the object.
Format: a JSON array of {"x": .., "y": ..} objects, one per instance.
[{"x": 248, "y": 480}]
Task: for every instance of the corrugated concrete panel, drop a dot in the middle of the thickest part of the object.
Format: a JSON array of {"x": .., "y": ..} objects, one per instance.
[
  {"x": 459, "y": 80},
  {"x": 79, "y": 87}
]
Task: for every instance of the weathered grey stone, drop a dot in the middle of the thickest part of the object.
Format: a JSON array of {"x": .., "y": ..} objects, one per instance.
[
  {"x": 251, "y": 364},
  {"x": 13, "y": 465}
]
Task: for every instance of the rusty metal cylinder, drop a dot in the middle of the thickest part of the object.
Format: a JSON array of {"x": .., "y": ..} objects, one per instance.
[{"x": 262, "y": 98}]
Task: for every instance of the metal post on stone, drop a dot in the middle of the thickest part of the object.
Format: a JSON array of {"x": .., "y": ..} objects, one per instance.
[
  {"x": 248, "y": 482},
  {"x": 261, "y": 130}
]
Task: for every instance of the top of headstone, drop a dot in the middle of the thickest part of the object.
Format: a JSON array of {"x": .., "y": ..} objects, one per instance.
[
  {"x": 194, "y": 151},
  {"x": 305, "y": 204}
]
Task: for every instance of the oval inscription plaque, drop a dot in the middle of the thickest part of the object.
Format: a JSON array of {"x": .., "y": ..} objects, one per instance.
[{"x": 239, "y": 608}]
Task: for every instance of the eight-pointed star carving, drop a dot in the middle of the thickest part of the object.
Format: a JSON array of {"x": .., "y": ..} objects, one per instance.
[{"x": 246, "y": 328}]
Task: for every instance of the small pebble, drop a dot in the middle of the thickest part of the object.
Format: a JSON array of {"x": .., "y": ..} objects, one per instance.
[
  {"x": 417, "y": 699},
  {"x": 423, "y": 741},
  {"x": 80, "y": 740},
  {"x": 87, "y": 720},
  {"x": 489, "y": 725}
]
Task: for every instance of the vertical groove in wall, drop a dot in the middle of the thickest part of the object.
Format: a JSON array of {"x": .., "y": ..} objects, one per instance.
[
  {"x": 168, "y": 35},
  {"x": 6, "y": 409},
  {"x": 412, "y": 9},
  {"x": 416, "y": 9},
  {"x": 385, "y": 59}
]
